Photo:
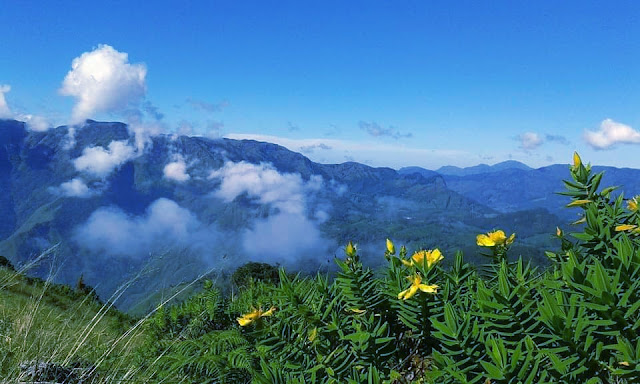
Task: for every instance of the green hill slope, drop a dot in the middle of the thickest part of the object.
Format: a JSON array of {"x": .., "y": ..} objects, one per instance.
[{"x": 51, "y": 332}]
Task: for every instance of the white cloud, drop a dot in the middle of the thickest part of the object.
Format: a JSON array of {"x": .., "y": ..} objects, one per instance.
[
  {"x": 288, "y": 236},
  {"x": 5, "y": 112},
  {"x": 73, "y": 188},
  {"x": 143, "y": 132},
  {"x": 610, "y": 134},
  {"x": 35, "y": 123},
  {"x": 530, "y": 141},
  {"x": 176, "y": 170},
  {"x": 285, "y": 191},
  {"x": 110, "y": 230},
  {"x": 103, "y": 81},
  {"x": 100, "y": 162},
  {"x": 284, "y": 238}
]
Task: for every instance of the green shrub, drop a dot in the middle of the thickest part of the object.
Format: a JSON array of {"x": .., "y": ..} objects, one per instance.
[{"x": 255, "y": 272}]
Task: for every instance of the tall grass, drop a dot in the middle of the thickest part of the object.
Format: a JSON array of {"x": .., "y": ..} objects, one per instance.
[{"x": 50, "y": 325}]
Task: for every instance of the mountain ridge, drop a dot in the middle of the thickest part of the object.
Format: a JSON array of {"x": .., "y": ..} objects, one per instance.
[
  {"x": 320, "y": 207},
  {"x": 239, "y": 201}
]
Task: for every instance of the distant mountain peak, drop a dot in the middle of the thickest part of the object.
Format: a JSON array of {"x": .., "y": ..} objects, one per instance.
[{"x": 482, "y": 168}]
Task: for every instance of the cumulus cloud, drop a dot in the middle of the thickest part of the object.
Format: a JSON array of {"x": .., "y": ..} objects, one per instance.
[
  {"x": 530, "y": 141},
  {"x": 375, "y": 130},
  {"x": 610, "y": 134},
  {"x": 73, "y": 188},
  {"x": 165, "y": 224},
  {"x": 285, "y": 191},
  {"x": 103, "y": 80},
  {"x": 176, "y": 170},
  {"x": 100, "y": 162},
  {"x": 5, "y": 112}
]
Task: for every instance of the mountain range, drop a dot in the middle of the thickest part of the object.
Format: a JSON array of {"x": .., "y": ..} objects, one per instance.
[{"x": 122, "y": 205}]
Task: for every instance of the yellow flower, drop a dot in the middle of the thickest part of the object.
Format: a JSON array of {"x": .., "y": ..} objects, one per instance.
[
  {"x": 577, "y": 162},
  {"x": 246, "y": 319},
  {"x": 577, "y": 203},
  {"x": 390, "y": 247},
  {"x": 418, "y": 258},
  {"x": 625, "y": 227},
  {"x": 558, "y": 231},
  {"x": 416, "y": 284},
  {"x": 632, "y": 204},
  {"x": 494, "y": 238},
  {"x": 350, "y": 250}
]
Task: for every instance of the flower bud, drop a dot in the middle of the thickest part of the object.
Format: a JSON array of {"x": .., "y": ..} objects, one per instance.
[
  {"x": 350, "y": 250},
  {"x": 390, "y": 247},
  {"x": 577, "y": 162}
]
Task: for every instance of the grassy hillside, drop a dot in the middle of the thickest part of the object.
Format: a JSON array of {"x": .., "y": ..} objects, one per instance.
[{"x": 52, "y": 332}]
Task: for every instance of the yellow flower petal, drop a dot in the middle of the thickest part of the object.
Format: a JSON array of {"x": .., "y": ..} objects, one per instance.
[
  {"x": 577, "y": 203},
  {"x": 494, "y": 238},
  {"x": 253, "y": 315},
  {"x": 418, "y": 257},
  {"x": 433, "y": 257},
  {"x": 428, "y": 288},
  {"x": 498, "y": 236},
  {"x": 484, "y": 241},
  {"x": 632, "y": 204},
  {"x": 243, "y": 321},
  {"x": 410, "y": 292},
  {"x": 416, "y": 284},
  {"x": 625, "y": 227}
]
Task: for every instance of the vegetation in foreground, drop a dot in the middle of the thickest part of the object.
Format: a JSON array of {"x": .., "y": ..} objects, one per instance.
[
  {"x": 51, "y": 332},
  {"x": 504, "y": 322}
]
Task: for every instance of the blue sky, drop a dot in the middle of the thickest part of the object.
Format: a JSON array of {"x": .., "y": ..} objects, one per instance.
[{"x": 399, "y": 83}]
